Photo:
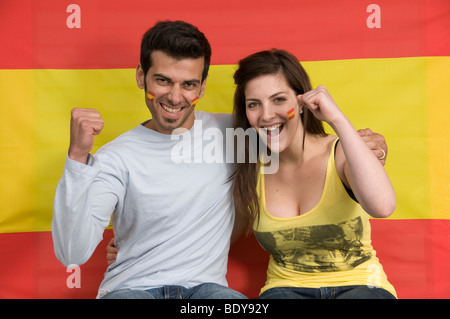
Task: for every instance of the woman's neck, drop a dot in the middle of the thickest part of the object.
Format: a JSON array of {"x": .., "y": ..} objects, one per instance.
[{"x": 294, "y": 154}]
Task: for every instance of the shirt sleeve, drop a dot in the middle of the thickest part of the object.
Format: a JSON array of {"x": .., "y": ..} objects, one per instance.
[{"x": 85, "y": 198}]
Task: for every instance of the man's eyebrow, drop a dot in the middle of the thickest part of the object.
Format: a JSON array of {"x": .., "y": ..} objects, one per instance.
[
  {"x": 159, "y": 75},
  {"x": 192, "y": 81}
]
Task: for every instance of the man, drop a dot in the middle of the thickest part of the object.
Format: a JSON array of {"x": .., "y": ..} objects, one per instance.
[{"x": 172, "y": 222}]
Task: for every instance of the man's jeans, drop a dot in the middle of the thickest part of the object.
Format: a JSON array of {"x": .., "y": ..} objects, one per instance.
[
  {"x": 344, "y": 292},
  {"x": 202, "y": 291}
]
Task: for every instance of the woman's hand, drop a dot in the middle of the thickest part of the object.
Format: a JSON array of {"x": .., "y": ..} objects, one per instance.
[
  {"x": 321, "y": 104},
  {"x": 111, "y": 252}
]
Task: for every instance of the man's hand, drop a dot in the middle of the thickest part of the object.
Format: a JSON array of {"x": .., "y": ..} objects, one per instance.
[
  {"x": 376, "y": 143},
  {"x": 111, "y": 252},
  {"x": 84, "y": 125}
]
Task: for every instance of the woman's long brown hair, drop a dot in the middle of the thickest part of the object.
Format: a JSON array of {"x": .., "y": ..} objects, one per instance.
[{"x": 264, "y": 63}]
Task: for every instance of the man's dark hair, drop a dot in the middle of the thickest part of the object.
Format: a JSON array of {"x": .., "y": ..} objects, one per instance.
[{"x": 177, "y": 39}]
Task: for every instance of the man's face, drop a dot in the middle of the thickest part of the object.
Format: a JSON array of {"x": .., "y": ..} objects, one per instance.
[{"x": 173, "y": 88}]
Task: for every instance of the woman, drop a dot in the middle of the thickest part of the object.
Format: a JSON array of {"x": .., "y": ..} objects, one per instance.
[{"x": 312, "y": 215}]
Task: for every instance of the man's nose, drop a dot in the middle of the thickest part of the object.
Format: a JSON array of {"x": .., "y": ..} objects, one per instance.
[{"x": 175, "y": 95}]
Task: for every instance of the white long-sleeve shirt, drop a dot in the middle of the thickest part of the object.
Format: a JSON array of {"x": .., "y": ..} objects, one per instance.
[{"x": 172, "y": 222}]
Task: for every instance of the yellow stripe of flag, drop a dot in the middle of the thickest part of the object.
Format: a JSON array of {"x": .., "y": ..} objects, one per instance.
[{"x": 405, "y": 99}]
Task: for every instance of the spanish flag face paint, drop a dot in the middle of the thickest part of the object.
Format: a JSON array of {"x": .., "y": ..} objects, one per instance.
[
  {"x": 194, "y": 101},
  {"x": 150, "y": 96},
  {"x": 291, "y": 113}
]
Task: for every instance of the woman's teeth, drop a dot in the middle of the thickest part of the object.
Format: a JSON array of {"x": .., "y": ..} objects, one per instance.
[
  {"x": 273, "y": 130},
  {"x": 273, "y": 127}
]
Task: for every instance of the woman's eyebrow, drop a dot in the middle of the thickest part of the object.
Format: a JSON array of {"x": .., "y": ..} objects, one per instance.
[{"x": 270, "y": 97}]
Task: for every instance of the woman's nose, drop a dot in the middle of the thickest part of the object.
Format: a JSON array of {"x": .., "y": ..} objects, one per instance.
[{"x": 267, "y": 113}]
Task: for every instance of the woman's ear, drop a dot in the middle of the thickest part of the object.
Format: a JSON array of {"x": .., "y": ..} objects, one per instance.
[{"x": 300, "y": 103}]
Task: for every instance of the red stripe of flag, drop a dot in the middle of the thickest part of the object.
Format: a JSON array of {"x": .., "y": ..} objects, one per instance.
[
  {"x": 415, "y": 262},
  {"x": 109, "y": 37}
]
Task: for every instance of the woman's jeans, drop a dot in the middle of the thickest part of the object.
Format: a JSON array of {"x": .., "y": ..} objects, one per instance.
[
  {"x": 343, "y": 292},
  {"x": 202, "y": 291}
]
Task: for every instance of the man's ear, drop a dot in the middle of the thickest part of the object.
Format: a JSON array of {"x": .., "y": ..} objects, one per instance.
[
  {"x": 140, "y": 78},
  {"x": 203, "y": 88}
]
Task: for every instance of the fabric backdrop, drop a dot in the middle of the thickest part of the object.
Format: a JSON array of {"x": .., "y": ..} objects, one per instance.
[{"x": 385, "y": 62}]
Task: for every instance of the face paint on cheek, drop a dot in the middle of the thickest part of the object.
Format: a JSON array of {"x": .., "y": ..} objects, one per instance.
[
  {"x": 291, "y": 113},
  {"x": 150, "y": 96},
  {"x": 194, "y": 101}
]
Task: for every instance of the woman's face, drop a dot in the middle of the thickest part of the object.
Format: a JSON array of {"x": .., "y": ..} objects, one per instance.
[{"x": 273, "y": 110}]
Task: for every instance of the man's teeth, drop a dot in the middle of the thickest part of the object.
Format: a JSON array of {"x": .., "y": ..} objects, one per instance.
[
  {"x": 171, "y": 110},
  {"x": 273, "y": 127}
]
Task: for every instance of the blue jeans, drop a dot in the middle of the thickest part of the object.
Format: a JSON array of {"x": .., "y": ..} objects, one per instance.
[
  {"x": 202, "y": 291},
  {"x": 343, "y": 292}
]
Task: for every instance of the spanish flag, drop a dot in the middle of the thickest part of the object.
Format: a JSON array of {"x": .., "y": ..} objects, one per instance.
[
  {"x": 150, "y": 96},
  {"x": 291, "y": 113},
  {"x": 386, "y": 63}
]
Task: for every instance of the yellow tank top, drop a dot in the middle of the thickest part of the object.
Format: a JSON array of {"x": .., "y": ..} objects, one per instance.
[{"x": 328, "y": 246}]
